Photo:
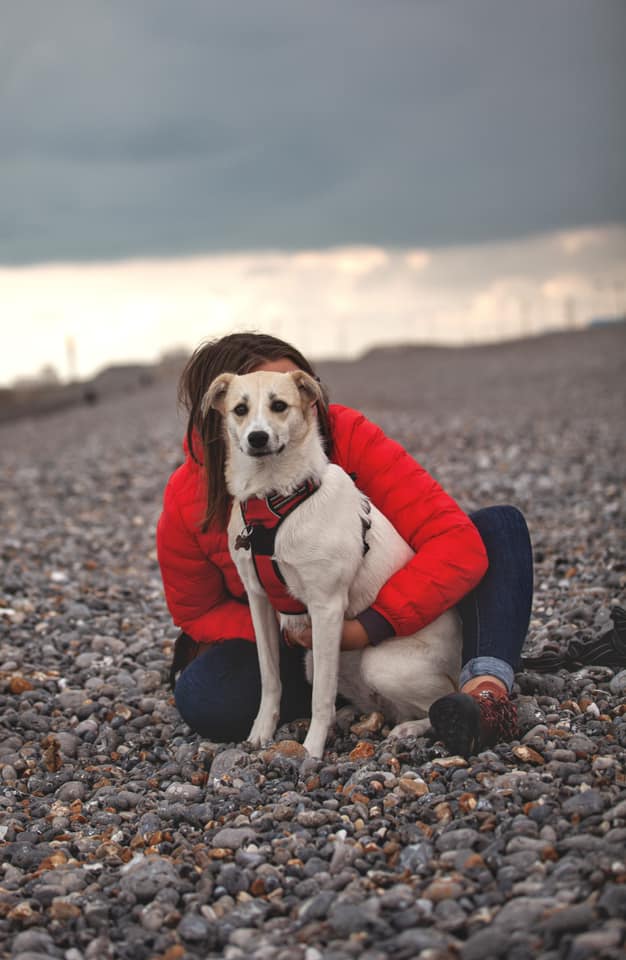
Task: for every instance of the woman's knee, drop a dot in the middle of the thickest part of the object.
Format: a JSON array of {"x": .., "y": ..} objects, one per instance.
[
  {"x": 502, "y": 520},
  {"x": 218, "y": 693}
]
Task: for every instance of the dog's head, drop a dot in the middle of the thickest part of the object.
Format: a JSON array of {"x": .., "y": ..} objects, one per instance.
[{"x": 264, "y": 411}]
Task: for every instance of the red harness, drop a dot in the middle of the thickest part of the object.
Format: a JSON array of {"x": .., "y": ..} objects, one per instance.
[{"x": 262, "y": 518}]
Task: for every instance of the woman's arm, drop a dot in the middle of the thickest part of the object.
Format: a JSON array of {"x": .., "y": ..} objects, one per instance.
[
  {"x": 194, "y": 586},
  {"x": 450, "y": 557}
]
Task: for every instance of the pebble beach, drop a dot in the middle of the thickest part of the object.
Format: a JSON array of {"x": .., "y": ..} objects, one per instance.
[{"x": 124, "y": 835}]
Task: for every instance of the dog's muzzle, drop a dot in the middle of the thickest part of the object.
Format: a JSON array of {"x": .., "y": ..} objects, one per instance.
[
  {"x": 258, "y": 439},
  {"x": 259, "y": 444}
]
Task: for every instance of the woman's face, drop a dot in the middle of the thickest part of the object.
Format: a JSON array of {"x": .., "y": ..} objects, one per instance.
[
  {"x": 276, "y": 366},
  {"x": 279, "y": 366}
]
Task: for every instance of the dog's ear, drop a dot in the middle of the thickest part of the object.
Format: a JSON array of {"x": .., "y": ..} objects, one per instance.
[
  {"x": 310, "y": 389},
  {"x": 216, "y": 394}
]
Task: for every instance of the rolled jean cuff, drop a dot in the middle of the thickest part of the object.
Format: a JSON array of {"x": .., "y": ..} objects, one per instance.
[{"x": 480, "y": 666}]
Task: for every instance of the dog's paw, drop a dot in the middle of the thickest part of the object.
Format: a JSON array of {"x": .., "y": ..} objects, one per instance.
[
  {"x": 410, "y": 728},
  {"x": 262, "y": 732},
  {"x": 315, "y": 742}
]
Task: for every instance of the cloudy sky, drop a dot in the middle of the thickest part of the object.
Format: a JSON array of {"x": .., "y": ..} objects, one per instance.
[{"x": 191, "y": 136}]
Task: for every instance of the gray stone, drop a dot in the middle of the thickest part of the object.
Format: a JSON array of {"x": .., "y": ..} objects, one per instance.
[
  {"x": 398, "y": 897},
  {"x": 617, "y": 686},
  {"x": 580, "y": 916},
  {"x": 584, "y": 804},
  {"x": 316, "y": 908},
  {"x": 71, "y": 699},
  {"x": 147, "y": 877},
  {"x": 233, "y": 837},
  {"x": 596, "y": 943},
  {"x": 45, "y": 893},
  {"x": 421, "y": 939},
  {"x": 183, "y": 791},
  {"x": 38, "y": 941},
  {"x": 152, "y": 916},
  {"x": 35, "y": 955},
  {"x": 346, "y": 919},
  {"x": 194, "y": 928},
  {"x": 490, "y": 942},
  {"x": 68, "y": 743},
  {"x": 416, "y": 855},
  {"x": 452, "y": 839},
  {"x": 523, "y": 912},
  {"x": 613, "y": 900},
  {"x": 26, "y": 855},
  {"x": 618, "y": 812},
  {"x": 226, "y": 762},
  {"x": 581, "y": 744},
  {"x": 70, "y": 791}
]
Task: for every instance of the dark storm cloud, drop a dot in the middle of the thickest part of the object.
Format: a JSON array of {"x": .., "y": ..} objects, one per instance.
[{"x": 132, "y": 128}]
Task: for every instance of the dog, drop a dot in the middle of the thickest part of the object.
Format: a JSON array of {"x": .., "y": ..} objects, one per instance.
[{"x": 333, "y": 554}]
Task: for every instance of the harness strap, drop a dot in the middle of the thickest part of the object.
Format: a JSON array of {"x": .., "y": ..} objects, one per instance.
[{"x": 262, "y": 517}]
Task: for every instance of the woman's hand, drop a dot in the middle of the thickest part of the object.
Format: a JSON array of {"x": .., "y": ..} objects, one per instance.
[{"x": 353, "y": 636}]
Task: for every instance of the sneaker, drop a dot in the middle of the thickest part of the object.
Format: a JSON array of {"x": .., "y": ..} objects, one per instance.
[
  {"x": 549, "y": 660},
  {"x": 468, "y": 723},
  {"x": 609, "y": 650}
]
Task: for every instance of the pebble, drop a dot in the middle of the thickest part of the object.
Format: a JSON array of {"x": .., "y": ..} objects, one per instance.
[
  {"x": 233, "y": 837},
  {"x": 486, "y": 943},
  {"x": 617, "y": 685},
  {"x": 584, "y": 804},
  {"x": 72, "y": 790},
  {"x": 226, "y": 762},
  {"x": 123, "y": 835},
  {"x": 194, "y": 928},
  {"x": 145, "y": 878},
  {"x": 183, "y": 791}
]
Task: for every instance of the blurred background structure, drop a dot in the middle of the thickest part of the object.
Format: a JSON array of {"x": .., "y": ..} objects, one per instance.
[{"x": 341, "y": 175}]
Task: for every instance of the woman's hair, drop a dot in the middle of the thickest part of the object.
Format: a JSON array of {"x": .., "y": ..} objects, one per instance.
[{"x": 235, "y": 353}]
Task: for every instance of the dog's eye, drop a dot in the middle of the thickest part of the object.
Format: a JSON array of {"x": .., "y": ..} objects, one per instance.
[
  {"x": 278, "y": 406},
  {"x": 241, "y": 409}
]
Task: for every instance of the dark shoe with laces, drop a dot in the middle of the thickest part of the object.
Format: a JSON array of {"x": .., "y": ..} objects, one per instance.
[
  {"x": 609, "y": 650},
  {"x": 467, "y": 723}
]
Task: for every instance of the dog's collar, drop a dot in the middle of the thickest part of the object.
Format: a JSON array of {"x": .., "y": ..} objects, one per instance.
[
  {"x": 277, "y": 506},
  {"x": 263, "y": 515}
]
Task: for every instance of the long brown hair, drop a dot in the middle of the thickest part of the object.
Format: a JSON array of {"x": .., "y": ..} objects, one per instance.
[{"x": 235, "y": 353}]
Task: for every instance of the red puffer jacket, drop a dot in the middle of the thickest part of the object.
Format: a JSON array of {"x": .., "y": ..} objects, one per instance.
[{"x": 206, "y": 597}]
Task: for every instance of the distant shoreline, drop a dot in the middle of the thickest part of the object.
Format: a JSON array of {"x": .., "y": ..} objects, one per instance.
[{"x": 32, "y": 400}]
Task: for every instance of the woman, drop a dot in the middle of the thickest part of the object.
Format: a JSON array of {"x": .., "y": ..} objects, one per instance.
[{"x": 482, "y": 564}]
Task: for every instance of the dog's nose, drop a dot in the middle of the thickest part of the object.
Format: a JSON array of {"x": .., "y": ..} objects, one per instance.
[{"x": 258, "y": 439}]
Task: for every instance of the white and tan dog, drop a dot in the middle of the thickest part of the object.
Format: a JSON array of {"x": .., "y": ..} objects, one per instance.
[{"x": 273, "y": 447}]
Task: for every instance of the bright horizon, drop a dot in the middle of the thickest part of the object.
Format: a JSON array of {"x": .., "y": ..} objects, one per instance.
[{"x": 331, "y": 303}]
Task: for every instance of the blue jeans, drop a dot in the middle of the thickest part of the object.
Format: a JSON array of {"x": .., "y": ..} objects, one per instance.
[
  {"x": 496, "y": 613},
  {"x": 218, "y": 694}
]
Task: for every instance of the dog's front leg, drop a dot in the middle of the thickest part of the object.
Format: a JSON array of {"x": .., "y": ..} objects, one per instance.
[
  {"x": 267, "y": 637},
  {"x": 326, "y": 622}
]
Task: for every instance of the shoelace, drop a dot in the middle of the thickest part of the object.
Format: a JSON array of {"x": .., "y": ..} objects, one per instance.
[{"x": 498, "y": 718}]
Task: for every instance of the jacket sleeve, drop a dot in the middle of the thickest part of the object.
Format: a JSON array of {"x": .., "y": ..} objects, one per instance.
[
  {"x": 194, "y": 586},
  {"x": 450, "y": 557}
]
